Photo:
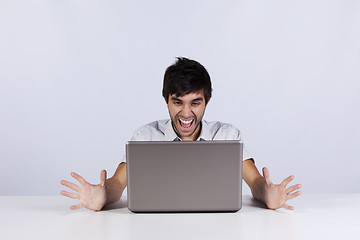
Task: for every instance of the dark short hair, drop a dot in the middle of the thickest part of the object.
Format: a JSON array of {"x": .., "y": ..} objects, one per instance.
[{"x": 186, "y": 76}]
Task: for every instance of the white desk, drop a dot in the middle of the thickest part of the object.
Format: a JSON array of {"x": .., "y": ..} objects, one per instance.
[{"x": 327, "y": 217}]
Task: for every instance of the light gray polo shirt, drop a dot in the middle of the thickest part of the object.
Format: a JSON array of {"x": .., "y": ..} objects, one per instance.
[{"x": 162, "y": 130}]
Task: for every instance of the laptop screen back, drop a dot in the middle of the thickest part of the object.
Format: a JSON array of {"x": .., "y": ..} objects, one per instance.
[{"x": 201, "y": 176}]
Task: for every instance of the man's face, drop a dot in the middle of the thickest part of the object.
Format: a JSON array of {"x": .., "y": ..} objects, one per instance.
[{"x": 186, "y": 113}]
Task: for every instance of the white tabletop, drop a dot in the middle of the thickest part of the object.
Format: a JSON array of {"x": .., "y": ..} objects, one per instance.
[{"x": 335, "y": 216}]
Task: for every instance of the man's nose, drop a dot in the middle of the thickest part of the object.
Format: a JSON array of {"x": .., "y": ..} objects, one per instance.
[{"x": 187, "y": 111}]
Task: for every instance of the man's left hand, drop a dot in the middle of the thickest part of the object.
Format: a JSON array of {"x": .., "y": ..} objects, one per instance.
[{"x": 276, "y": 196}]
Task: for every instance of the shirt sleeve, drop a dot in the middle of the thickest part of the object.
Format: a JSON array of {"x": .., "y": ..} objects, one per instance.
[
  {"x": 247, "y": 155},
  {"x": 235, "y": 134}
]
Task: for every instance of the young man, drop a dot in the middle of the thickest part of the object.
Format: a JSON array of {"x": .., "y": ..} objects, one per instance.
[{"x": 187, "y": 91}]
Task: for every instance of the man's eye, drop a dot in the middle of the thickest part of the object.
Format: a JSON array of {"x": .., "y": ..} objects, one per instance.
[
  {"x": 195, "y": 103},
  {"x": 177, "y": 103}
]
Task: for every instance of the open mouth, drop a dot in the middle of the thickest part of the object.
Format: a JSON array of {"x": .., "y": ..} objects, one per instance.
[{"x": 186, "y": 124}]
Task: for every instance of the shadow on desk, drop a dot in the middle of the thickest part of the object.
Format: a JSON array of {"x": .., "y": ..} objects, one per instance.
[
  {"x": 122, "y": 203},
  {"x": 254, "y": 203},
  {"x": 248, "y": 201}
]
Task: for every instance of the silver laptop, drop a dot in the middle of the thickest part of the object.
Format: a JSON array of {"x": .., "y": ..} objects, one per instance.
[{"x": 201, "y": 176}]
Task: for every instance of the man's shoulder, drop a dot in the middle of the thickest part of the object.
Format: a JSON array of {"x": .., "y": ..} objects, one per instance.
[
  {"x": 221, "y": 130},
  {"x": 219, "y": 125},
  {"x": 155, "y": 129},
  {"x": 153, "y": 125}
]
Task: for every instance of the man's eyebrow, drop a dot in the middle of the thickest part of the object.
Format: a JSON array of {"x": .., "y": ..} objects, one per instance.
[
  {"x": 194, "y": 100},
  {"x": 198, "y": 99},
  {"x": 176, "y": 99}
]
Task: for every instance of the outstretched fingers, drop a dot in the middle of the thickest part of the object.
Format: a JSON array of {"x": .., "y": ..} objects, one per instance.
[
  {"x": 70, "y": 185},
  {"x": 293, "y": 188},
  {"x": 77, "y": 206},
  {"x": 70, "y": 195},
  {"x": 294, "y": 195},
  {"x": 286, "y": 206},
  {"x": 287, "y": 180},
  {"x": 103, "y": 178},
  {"x": 266, "y": 175},
  {"x": 292, "y": 192},
  {"x": 79, "y": 178}
]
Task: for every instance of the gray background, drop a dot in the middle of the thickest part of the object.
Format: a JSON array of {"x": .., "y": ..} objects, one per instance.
[{"x": 78, "y": 77}]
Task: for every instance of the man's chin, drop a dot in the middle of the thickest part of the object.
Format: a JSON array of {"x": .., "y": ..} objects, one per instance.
[
  {"x": 188, "y": 132},
  {"x": 185, "y": 133}
]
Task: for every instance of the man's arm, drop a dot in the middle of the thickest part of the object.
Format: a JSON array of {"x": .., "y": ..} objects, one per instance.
[
  {"x": 274, "y": 196},
  {"x": 116, "y": 184},
  {"x": 95, "y": 197}
]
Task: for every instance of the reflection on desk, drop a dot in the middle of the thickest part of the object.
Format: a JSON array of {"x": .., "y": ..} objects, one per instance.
[{"x": 334, "y": 216}]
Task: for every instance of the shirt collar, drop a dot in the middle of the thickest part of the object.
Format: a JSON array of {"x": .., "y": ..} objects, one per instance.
[
  {"x": 169, "y": 132},
  {"x": 170, "y": 135},
  {"x": 205, "y": 133}
]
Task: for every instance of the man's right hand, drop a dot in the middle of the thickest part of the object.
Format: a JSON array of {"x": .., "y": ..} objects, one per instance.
[{"x": 92, "y": 197}]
